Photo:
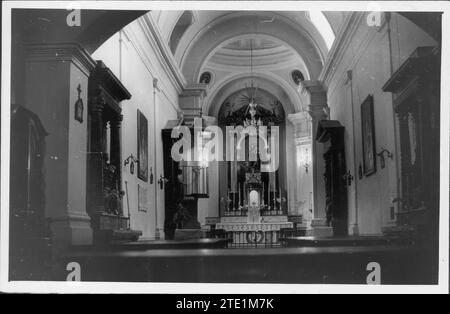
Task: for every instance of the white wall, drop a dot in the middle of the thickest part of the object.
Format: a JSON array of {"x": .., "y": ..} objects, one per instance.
[
  {"x": 136, "y": 68},
  {"x": 368, "y": 55}
]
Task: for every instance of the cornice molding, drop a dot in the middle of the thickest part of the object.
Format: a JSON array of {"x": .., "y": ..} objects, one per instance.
[
  {"x": 340, "y": 45},
  {"x": 339, "y": 74},
  {"x": 162, "y": 51},
  {"x": 72, "y": 52},
  {"x": 183, "y": 54},
  {"x": 72, "y": 216},
  {"x": 198, "y": 90}
]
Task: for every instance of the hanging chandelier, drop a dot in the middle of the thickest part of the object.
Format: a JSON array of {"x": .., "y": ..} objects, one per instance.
[{"x": 251, "y": 97}]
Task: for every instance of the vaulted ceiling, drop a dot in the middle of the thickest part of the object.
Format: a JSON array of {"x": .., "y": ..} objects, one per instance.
[
  {"x": 239, "y": 46},
  {"x": 234, "y": 46}
]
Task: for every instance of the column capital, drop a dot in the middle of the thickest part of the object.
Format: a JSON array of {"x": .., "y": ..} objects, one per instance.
[
  {"x": 198, "y": 90},
  {"x": 155, "y": 83},
  {"x": 191, "y": 101},
  {"x": 311, "y": 86},
  {"x": 209, "y": 120},
  {"x": 317, "y": 98},
  {"x": 116, "y": 122},
  {"x": 61, "y": 52}
]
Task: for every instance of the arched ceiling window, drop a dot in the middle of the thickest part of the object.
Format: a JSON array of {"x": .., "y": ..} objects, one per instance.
[
  {"x": 205, "y": 78},
  {"x": 183, "y": 23},
  {"x": 323, "y": 26},
  {"x": 297, "y": 76}
]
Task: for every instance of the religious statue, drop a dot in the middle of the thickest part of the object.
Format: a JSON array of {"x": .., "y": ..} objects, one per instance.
[{"x": 111, "y": 194}]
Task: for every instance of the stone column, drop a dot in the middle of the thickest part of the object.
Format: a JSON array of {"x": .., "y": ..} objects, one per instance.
[
  {"x": 56, "y": 78},
  {"x": 191, "y": 102},
  {"x": 303, "y": 183},
  {"x": 318, "y": 110}
]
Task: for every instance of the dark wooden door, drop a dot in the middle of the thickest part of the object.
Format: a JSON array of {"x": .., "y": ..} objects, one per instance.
[
  {"x": 336, "y": 191},
  {"x": 173, "y": 187},
  {"x": 30, "y": 245},
  {"x": 331, "y": 133}
]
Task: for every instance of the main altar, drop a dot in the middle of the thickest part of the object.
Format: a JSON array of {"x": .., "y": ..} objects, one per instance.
[
  {"x": 254, "y": 221},
  {"x": 254, "y": 207}
]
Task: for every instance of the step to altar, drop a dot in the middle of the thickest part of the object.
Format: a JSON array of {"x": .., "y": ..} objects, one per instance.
[
  {"x": 114, "y": 236},
  {"x": 186, "y": 234}
]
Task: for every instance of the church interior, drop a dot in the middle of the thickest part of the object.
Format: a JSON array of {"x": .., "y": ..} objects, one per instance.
[{"x": 352, "y": 100}]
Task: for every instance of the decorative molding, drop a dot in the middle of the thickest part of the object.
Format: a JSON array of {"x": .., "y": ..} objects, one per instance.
[
  {"x": 104, "y": 79},
  {"x": 270, "y": 226},
  {"x": 340, "y": 47},
  {"x": 71, "y": 216},
  {"x": 194, "y": 90},
  {"x": 145, "y": 58},
  {"x": 164, "y": 54},
  {"x": 72, "y": 52},
  {"x": 340, "y": 44},
  {"x": 301, "y": 29}
]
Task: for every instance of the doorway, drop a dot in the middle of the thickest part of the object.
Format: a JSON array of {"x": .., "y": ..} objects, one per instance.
[{"x": 331, "y": 134}]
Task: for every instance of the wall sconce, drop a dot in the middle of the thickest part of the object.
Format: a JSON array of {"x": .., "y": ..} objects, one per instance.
[
  {"x": 151, "y": 175},
  {"x": 348, "y": 178},
  {"x": 130, "y": 160},
  {"x": 382, "y": 158},
  {"x": 305, "y": 159},
  {"x": 162, "y": 181},
  {"x": 306, "y": 165}
]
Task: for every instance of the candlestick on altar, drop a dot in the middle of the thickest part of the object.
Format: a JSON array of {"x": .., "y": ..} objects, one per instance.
[
  {"x": 280, "y": 198},
  {"x": 228, "y": 198},
  {"x": 263, "y": 195},
  {"x": 234, "y": 199},
  {"x": 245, "y": 195},
  {"x": 239, "y": 187},
  {"x": 274, "y": 196}
]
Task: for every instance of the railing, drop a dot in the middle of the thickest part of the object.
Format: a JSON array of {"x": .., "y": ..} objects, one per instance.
[
  {"x": 272, "y": 212},
  {"x": 254, "y": 239},
  {"x": 235, "y": 213},
  {"x": 240, "y": 213}
]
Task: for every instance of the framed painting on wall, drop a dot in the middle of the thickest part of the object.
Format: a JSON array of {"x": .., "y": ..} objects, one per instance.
[
  {"x": 142, "y": 199},
  {"x": 368, "y": 136},
  {"x": 142, "y": 146}
]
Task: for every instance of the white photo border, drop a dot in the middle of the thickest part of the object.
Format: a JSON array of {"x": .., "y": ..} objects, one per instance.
[{"x": 206, "y": 288}]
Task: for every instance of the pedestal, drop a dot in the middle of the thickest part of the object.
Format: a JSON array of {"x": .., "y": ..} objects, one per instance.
[{"x": 319, "y": 228}]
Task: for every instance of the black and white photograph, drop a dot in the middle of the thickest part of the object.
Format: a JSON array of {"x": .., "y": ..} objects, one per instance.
[{"x": 212, "y": 146}]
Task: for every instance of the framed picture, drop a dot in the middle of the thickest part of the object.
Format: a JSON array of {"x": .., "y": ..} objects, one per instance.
[
  {"x": 368, "y": 136},
  {"x": 79, "y": 107},
  {"x": 142, "y": 199},
  {"x": 142, "y": 146}
]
